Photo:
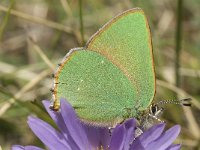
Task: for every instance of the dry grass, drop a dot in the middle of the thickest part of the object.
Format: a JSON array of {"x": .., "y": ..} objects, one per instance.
[{"x": 35, "y": 35}]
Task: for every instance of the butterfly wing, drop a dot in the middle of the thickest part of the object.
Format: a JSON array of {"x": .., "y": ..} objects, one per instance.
[
  {"x": 112, "y": 78},
  {"x": 126, "y": 42},
  {"x": 97, "y": 89}
]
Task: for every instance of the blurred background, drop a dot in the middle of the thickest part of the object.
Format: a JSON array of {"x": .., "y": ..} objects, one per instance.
[{"x": 36, "y": 34}]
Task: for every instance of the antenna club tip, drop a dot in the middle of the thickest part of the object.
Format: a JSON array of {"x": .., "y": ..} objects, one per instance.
[
  {"x": 187, "y": 99},
  {"x": 186, "y": 102},
  {"x": 189, "y": 105}
]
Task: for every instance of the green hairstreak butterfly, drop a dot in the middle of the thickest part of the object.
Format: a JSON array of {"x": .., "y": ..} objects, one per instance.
[{"x": 112, "y": 78}]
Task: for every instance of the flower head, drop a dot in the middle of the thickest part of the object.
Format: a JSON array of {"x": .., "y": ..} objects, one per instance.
[{"x": 73, "y": 135}]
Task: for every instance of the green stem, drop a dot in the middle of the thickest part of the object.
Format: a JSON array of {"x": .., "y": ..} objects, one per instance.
[
  {"x": 178, "y": 41},
  {"x": 5, "y": 20},
  {"x": 81, "y": 21}
]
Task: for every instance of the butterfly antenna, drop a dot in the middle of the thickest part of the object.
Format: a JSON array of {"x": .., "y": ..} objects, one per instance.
[{"x": 183, "y": 102}]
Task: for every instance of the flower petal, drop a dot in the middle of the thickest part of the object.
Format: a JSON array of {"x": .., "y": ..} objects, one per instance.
[
  {"x": 118, "y": 138},
  {"x": 174, "y": 147},
  {"x": 137, "y": 145},
  {"x": 56, "y": 116},
  {"x": 58, "y": 119},
  {"x": 19, "y": 147},
  {"x": 47, "y": 134},
  {"x": 98, "y": 137},
  {"x": 74, "y": 126},
  {"x": 166, "y": 139},
  {"x": 130, "y": 130},
  {"x": 148, "y": 136}
]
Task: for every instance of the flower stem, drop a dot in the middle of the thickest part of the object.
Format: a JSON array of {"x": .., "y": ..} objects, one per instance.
[
  {"x": 81, "y": 22},
  {"x": 178, "y": 41},
  {"x": 6, "y": 19}
]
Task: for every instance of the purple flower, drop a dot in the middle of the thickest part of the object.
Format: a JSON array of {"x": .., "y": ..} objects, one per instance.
[{"x": 73, "y": 135}]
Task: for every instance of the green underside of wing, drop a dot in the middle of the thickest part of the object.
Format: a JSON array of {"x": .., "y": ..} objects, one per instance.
[
  {"x": 126, "y": 41},
  {"x": 113, "y": 78},
  {"x": 96, "y": 88}
]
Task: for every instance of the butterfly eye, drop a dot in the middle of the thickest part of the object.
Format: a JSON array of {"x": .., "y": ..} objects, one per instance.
[{"x": 153, "y": 109}]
